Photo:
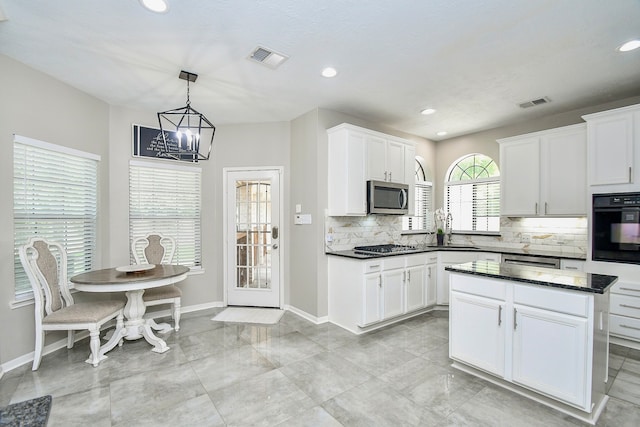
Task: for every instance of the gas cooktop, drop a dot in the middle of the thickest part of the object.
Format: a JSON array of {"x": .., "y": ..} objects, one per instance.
[{"x": 383, "y": 249}]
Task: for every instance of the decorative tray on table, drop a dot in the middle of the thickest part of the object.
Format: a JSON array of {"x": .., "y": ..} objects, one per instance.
[{"x": 136, "y": 268}]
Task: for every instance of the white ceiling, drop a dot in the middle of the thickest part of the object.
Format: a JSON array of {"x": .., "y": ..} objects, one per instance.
[{"x": 474, "y": 61}]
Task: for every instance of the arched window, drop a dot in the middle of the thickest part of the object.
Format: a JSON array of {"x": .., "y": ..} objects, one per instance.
[
  {"x": 423, "y": 190},
  {"x": 472, "y": 194}
]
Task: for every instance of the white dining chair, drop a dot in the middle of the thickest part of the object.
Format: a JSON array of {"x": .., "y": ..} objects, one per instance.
[
  {"x": 155, "y": 248},
  {"x": 45, "y": 263}
]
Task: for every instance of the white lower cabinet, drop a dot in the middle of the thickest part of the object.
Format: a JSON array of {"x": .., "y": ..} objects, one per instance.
[
  {"x": 393, "y": 283},
  {"x": 371, "y": 303},
  {"x": 416, "y": 289},
  {"x": 431, "y": 279},
  {"x": 363, "y": 293},
  {"x": 540, "y": 338},
  {"x": 572, "y": 264},
  {"x": 483, "y": 344},
  {"x": 625, "y": 312},
  {"x": 550, "y": 353}
]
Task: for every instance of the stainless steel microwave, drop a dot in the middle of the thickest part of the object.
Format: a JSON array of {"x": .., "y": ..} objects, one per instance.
[
  {"x": 389, "y": 198},
  {"x": 616, "y": 228}
]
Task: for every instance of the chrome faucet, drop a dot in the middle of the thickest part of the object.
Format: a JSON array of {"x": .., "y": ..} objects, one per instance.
[{"x": 448, "y": 224}]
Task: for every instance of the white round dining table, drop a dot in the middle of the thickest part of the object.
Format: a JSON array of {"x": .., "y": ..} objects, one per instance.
[{"x": 133, "y": 285}]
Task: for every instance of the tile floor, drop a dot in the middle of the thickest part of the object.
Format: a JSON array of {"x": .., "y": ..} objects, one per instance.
[{"x": 294, "y": 374}]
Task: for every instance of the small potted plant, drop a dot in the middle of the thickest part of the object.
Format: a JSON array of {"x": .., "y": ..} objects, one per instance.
[{"x": 440, "y": 237}]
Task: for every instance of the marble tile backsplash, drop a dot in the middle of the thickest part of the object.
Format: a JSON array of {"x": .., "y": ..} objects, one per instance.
[{"x": 562, "y": 235}]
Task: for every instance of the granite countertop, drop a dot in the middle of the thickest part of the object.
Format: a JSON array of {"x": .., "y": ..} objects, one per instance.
[
  {"x": 459, "y": 248},
  {"x": 565, "y": 279}
]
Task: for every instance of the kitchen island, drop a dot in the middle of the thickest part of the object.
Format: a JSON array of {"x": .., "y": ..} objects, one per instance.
[{"x": 542, "y": 333}]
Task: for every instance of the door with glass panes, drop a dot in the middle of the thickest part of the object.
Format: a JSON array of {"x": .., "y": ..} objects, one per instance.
[{"x": 253, "y": 238}]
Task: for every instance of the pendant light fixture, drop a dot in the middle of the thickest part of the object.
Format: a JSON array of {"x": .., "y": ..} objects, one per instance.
[{"x": 186, "y": 131}]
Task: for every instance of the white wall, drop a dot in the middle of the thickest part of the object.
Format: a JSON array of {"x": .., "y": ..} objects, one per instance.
[
  {"x": 37, "y": 106},
  {"x": 259, "y": 144}
]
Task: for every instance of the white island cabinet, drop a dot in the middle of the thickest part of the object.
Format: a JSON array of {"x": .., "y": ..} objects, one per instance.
[{"x": 546, "y": 342}]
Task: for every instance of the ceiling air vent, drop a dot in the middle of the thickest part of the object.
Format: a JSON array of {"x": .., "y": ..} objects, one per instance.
[
  {"x": 267, "y": 57},
  {"x": 534, "y": 102}
]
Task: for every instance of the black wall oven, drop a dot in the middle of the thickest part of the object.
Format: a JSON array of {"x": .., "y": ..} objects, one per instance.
[{"x": 616, "y": 227}]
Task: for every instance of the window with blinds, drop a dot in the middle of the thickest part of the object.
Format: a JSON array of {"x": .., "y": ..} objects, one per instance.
[
  {"x": 55, "y": 196},
  {"x": 472, "y": 193},
  {"x": 423, "y": 218},
  {"x": 165, "y": 198}
]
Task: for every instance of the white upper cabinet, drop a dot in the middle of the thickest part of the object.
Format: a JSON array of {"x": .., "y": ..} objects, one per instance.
[
  {"x": 357, "y": 155},
  {"x": 386, "y": 158},
  {"x": 347, "y": 182},
  {"x": 376, "y": 149},
  {"x": 563, "y": 177},
  {"x": 544, "y": 173},
  {"x": 520, "y": 176},
  {"x": 612, "y": 155}
]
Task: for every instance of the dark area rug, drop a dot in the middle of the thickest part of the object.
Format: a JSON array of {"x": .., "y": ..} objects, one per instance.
[{"x": 30, "y": 413}]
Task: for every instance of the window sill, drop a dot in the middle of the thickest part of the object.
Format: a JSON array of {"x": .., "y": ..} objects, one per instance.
[
  {"x": 477, "y": 233},
  {"x": 455, "y": 233},
  {"x": 25, "y": 302}
]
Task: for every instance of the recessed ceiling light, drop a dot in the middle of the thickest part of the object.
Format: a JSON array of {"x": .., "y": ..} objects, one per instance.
[
  {"x": 158, "y": 6},
  {"x": 630, "y": 45},
  {"x": 427, "y": 111},
  {"x": 329, "y": 72},
  {"x": 441, "y": 133}
]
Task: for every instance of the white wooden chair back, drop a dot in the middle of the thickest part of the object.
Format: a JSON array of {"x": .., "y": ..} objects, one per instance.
[
  {"x": 154, "y": 248},
  {"x": 45, "y": 263}
]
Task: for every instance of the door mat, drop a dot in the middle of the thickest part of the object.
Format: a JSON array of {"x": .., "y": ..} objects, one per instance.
[
  {"x": 30, "y": 413},
  {"x": 266, "y": 316}
]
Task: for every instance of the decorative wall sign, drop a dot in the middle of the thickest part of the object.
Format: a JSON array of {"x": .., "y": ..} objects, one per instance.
[{"x": 147, "y": 142}]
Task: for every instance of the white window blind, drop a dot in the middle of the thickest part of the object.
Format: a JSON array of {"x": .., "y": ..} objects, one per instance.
[
  {"x": 474, "y": 206},
  {"x": 423, "y": 218},
  {"x": 166, "y": 199},
  {"x": 55, "y": 196}
]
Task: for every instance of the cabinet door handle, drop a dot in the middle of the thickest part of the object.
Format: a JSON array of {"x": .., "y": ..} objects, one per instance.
[
  {"x": 630, "y": 175},
  {"x": 380, "y": 281},
  {"x": 536, "y": 208},
  {"x": 515, "y": 323},
  {"x": 568, "y": 267},
  {"x": 390, "y": 177},
  {"x": 629, "y": 289},
  {"x": 545, "y": 208},
  {"x": 630, "y": 306},
  {"x": 385, "y": 175},
  {"x": 409, "y": 275},
  {"x": 429, "y": 269},
  {"x": 499, "y": 315},
  {"x": 630, "y": 327}
]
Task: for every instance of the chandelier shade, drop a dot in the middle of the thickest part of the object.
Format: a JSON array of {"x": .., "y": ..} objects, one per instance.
[{"x": 186, "y": 133}]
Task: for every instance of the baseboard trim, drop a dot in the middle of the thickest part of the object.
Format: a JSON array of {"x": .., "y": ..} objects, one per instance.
[{"x": 311, "y": 318}]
